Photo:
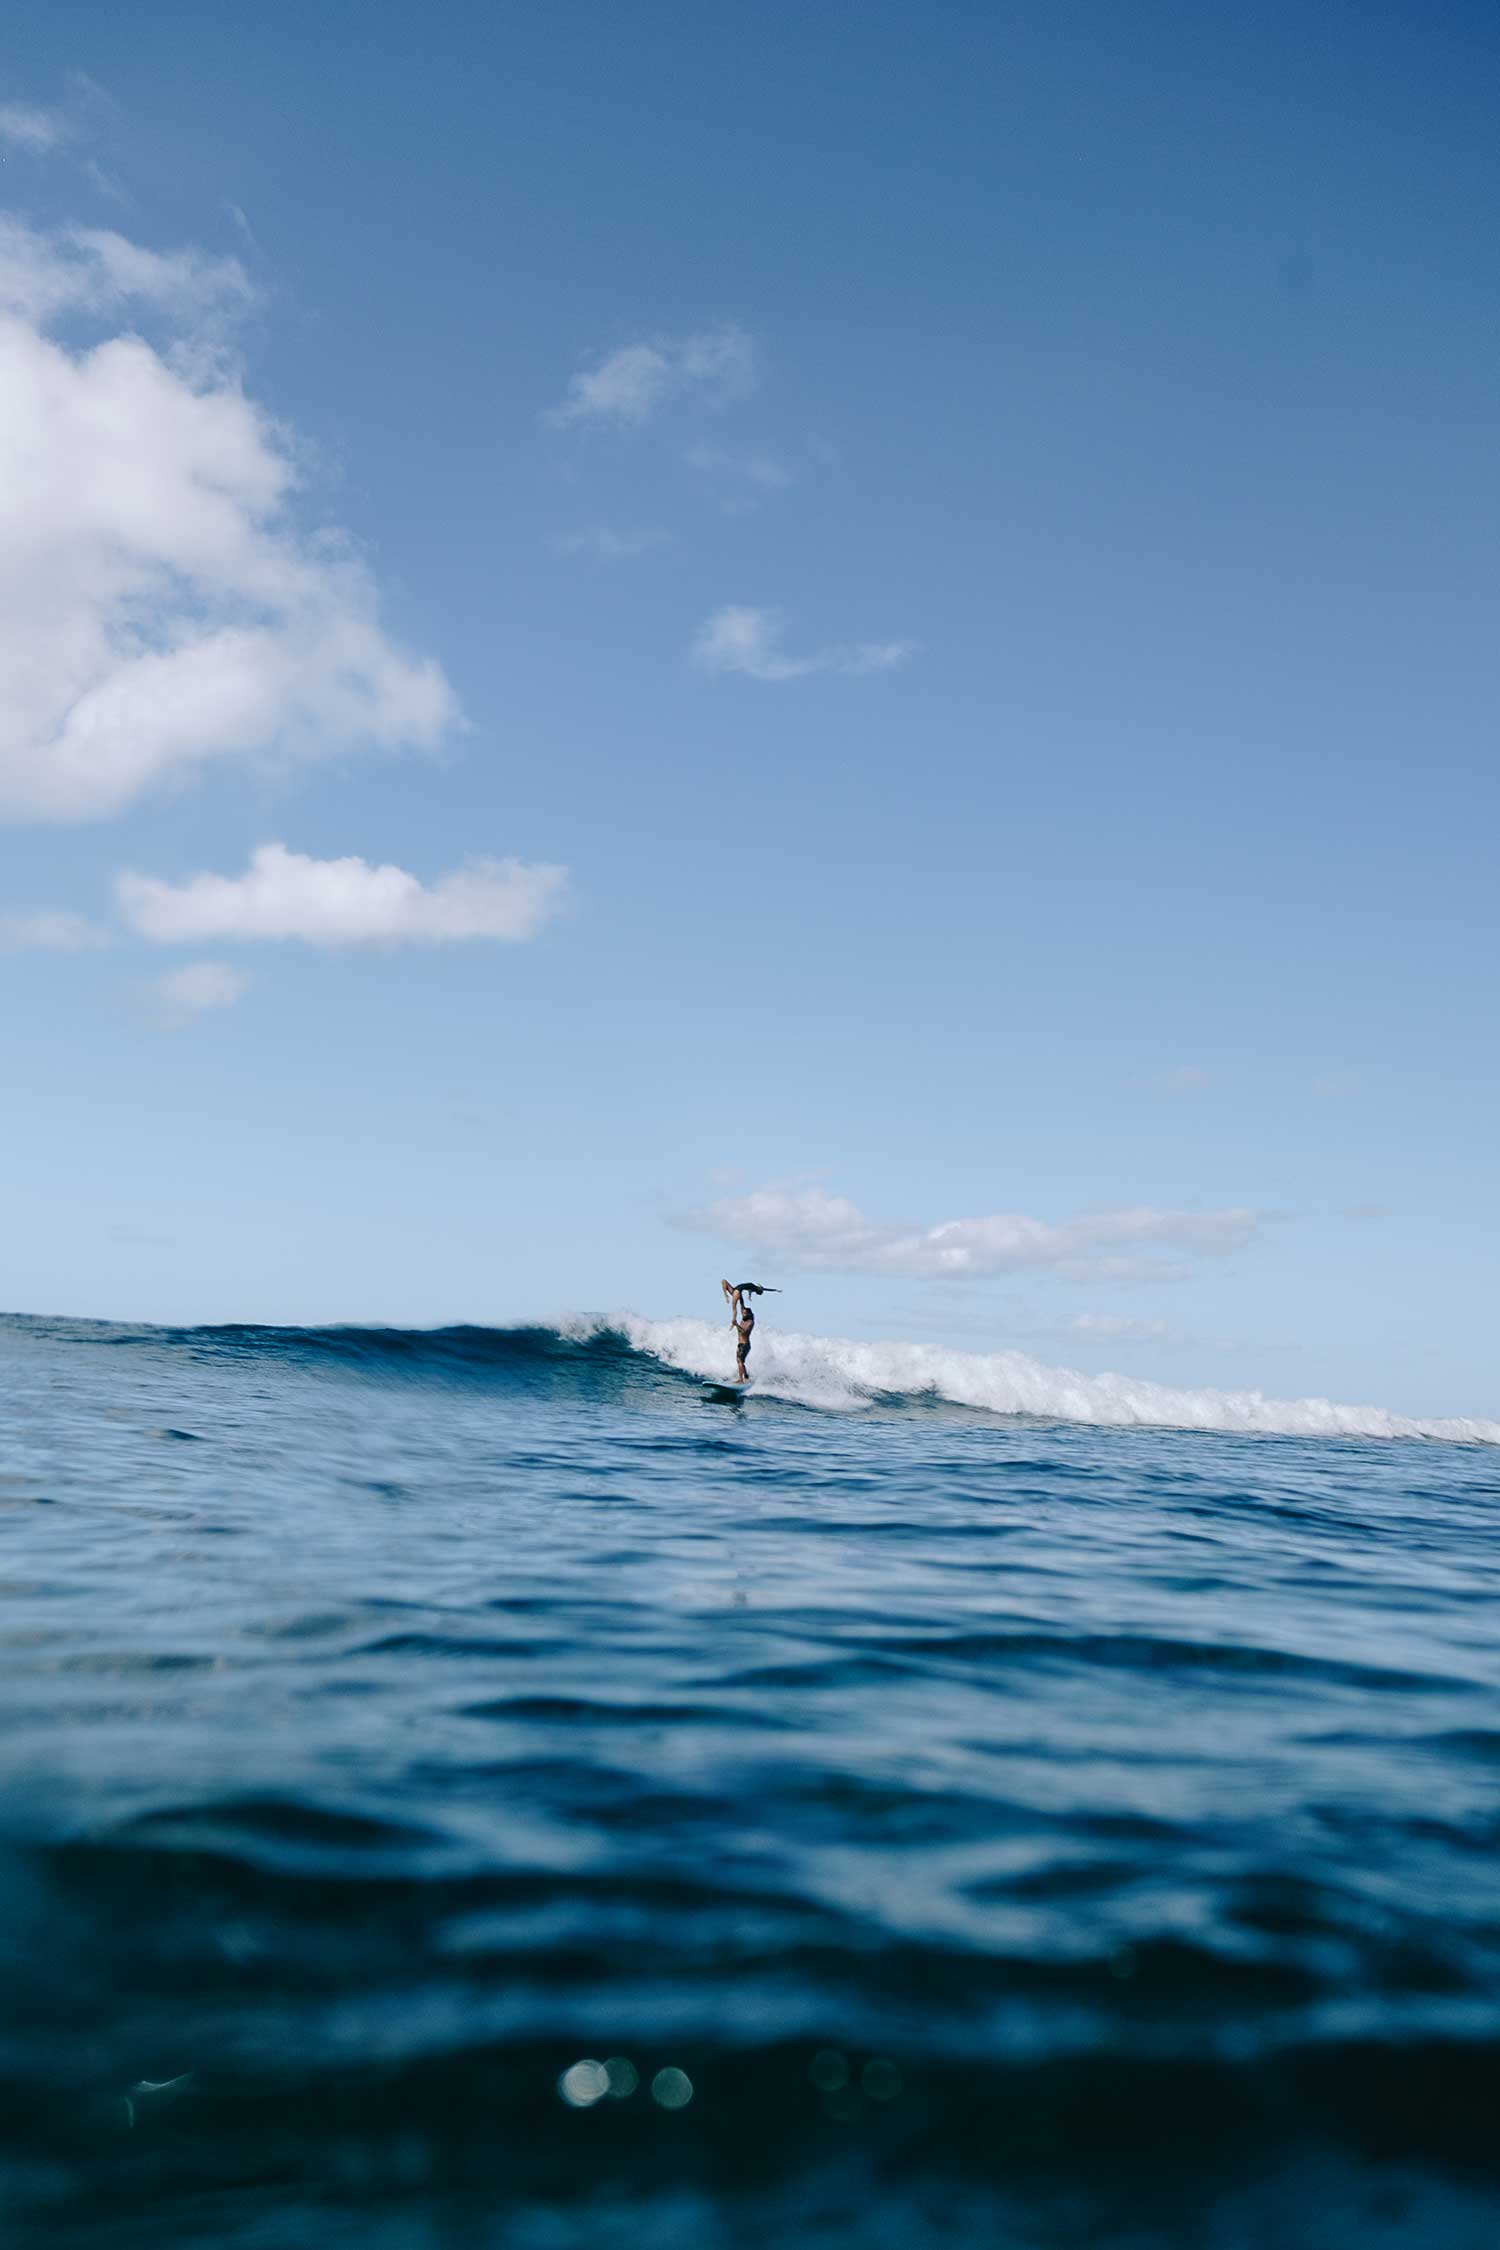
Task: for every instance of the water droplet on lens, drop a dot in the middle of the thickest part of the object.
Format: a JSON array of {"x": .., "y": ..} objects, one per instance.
[
  {"x": 583, "y": 2083},
  {"x": 672, "y": 2088}
]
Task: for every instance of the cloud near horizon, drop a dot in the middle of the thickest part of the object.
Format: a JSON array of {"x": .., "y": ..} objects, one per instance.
[
  {"x": 159, "y": 606},
  {"x": 810, "y": 1229},
  {"x": 740, "y": 639},
  {"x": 1120, "y": 1328},
  {"x": 626, "y": 387},
  {"x": 285, "y": 894}
]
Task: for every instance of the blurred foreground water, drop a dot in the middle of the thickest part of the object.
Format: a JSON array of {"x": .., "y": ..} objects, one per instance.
[{"x": 483, "y": 1789}]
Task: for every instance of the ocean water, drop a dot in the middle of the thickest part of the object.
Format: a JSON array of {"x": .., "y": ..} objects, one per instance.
[{"x": 483, "y": 1788}]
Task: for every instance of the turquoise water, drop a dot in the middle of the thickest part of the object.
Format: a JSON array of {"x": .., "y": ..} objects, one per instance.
[{"x": 948, "y": 1826}]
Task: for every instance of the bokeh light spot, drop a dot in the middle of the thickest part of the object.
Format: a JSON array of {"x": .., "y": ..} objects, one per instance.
[
  {"x": 672, "y": 2088},
  {"x": 584, "y": 2083}
]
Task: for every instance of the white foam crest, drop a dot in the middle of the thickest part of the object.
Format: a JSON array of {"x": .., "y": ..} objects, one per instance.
[{"x": 841, "y": 1373}]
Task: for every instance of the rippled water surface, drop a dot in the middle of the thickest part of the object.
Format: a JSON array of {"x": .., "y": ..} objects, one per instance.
[{"x": 948, "y": 1828}]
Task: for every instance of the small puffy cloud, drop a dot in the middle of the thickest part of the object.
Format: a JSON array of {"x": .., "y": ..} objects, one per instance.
[
  {"x": 285, "y": 894},
  {"x": 601, "y": 544},
  {"x": 51, "y": 930},
  {"x": 625, "y": 387},
  {"x": 197, "y": 988},
  {"x": 809, "y": 1228},
  {"x": 34, "y": 130},
  {"x": 740, "y": 639},
  {"x": 160, "y": 607}
]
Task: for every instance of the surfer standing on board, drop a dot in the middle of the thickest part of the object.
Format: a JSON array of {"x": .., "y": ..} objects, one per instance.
[{"x": 742, "y": 1319}]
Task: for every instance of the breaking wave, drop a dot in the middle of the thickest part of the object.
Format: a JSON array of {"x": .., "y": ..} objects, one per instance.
[
  {"x": 601, "y": 1355},
  {"x": 840, "y": 1372}
]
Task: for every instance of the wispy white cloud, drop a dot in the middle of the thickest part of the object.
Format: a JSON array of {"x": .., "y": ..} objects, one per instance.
[
  {"x": 196, "y": 989},
  {"x": 1187, "y": 1078},
  {"x": 1121, "y": 1328},
  {"x": 35, "y": 130},
  {"x": 285, "y": 894},
  {"x": 94, "y": 270},
  {"x": 159, "y": 605},
  {"x": 741, "y": 639},
  {"x": 744, "y": 479},
  {"x": 1367, "y": 1211},
  {"x": 242, "y": 226},
  {"x": 141, "y": 1238},
  {"x": 807, "y": 1227},
  {"x": 626, "y": 387},
  {"x": 1335, "y": 1086},
  {"x": 601, "y": 544},
  {"x": 1109, "y": 1330},
  {"x": 51, "y": 930}
]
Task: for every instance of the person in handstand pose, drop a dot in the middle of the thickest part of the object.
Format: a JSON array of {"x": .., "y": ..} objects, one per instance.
[{"x": 743, "y": 1321}]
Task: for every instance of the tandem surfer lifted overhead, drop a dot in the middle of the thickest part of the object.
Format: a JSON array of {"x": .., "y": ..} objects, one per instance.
[{"x": 742, "y": 1318}]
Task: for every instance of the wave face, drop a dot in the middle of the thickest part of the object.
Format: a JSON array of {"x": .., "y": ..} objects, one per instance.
[
  {"x": 479, "y": 1787},
  {"x": 600, "y": 1355}
]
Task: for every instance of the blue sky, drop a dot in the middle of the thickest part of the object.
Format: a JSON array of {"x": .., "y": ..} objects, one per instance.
[{"x": 968, "y": 535}]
